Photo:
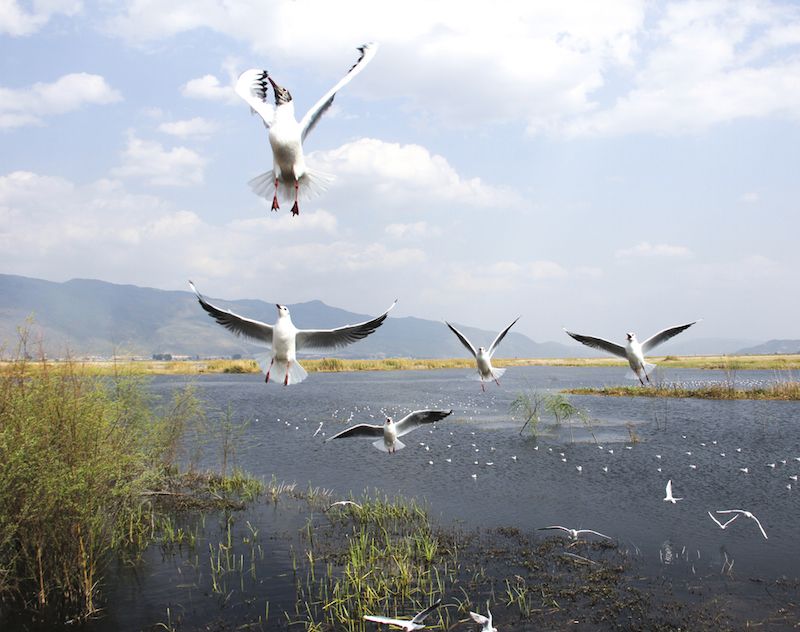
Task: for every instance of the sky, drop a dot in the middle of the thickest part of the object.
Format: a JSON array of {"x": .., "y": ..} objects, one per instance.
[{"x": 605, "y": 167}]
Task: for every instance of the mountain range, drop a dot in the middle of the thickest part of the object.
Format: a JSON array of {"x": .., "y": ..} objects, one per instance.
[{"x": 87, "y": 317}]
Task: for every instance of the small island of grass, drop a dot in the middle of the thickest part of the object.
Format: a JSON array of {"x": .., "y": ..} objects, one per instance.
[{"x": 776, "y": 391}]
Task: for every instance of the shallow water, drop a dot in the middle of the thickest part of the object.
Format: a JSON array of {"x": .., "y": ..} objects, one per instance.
[{"x": 466, "y": 474}]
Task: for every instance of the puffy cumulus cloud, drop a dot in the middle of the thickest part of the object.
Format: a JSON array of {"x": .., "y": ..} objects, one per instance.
[
  {"x": 578, "y": 69},
  {"x": 320, "y": 220},
  {"x": 413, "y": 230},
  {"x": 149, "y": 161},
  {"x": 403, "y": 174},
  {"x": 509, "y": 276},
  {"x": 18, "y": 21},
  {"x": 31, "y": 106},
  {"x": 209, "y": 88},
  {"x": 196, "y": 127},
  {"x": 646, "y": 249}
]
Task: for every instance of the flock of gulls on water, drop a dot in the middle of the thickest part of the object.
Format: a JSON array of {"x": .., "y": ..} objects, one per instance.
[{"x": 291, "y": 180}]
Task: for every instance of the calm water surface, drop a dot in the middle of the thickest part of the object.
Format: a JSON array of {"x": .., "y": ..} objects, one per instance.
[{"x": 482, "y": 485}]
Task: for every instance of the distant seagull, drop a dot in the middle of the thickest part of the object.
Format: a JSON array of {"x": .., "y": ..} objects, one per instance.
[
  {"x": 484, "y": 622},
  {"x": 316, "y": 432},
  {"x": 669, "y": 497},
  {"x": 390, "y": 430},
  {"x": 633, "y": 351},
  {"x": 344, "y": 503},
  {"x": 483, "y": 357},
  {"x": 405, "y": 624},
  {"x": 722, "y": 525},
  {"x": 574, "y": 533},
  {"x": 285, "y": 339},
  {"x": 746, "y": 514},
  {"x": 290, "y": 177}
]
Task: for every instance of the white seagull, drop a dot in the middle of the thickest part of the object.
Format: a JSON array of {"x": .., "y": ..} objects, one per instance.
[
  {"x": 633, "y": 351},
  {"x": 285, "y": 339},
  {"x": 574, "y": 533},
  {"x": 390, "y": 431},
  {"x": 404, "y": 624},
  {"x": 746, "y": 514},
  {"x": 483, "y": 356},
  {"x": 484, "y": 622},
  {"x": 722, "y": 525},
  {"x": 290, "y": 177},
  {"x": 669, "y": 498}
]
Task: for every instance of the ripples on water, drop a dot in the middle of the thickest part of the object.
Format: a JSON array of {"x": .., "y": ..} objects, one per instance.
[{"x": 475, "y": 470}]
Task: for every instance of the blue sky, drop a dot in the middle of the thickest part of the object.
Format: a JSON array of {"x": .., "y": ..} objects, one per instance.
[{"x": 605, "y": 166}]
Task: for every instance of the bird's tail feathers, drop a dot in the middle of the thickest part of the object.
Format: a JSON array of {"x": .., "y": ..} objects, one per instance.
[
  {"x": 398, "y": 445},
  {"x": 277, "y": 372},
  {"x": 648, "y": 368},
  {"x": 311, "y": 184},
  {"x": 496, "y": 375},
  {"x": 263, "y": 185}
]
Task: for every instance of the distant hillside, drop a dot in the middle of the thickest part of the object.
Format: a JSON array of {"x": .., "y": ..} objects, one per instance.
[
  {"x": 90, "y": 317},
  {"x": 772, "y": 347}
]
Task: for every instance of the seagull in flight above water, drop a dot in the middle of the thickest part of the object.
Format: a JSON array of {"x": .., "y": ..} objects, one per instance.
[
  {"x": 483, "y": 356},
  {"x": 574, "y": 533},
  {"x": 633, "y": 351},
  {"x": 390, "y": 431},
  {"x": 285, "y": 339},
  {"x": 484, "y": 622},
  {"x": 404, "y": 624},
  {"x": 722, "y": 525},
  {"x": 290, "y": 177},
  {"x": 746, "y": 514},
  {"x": 669, "y": 498}
]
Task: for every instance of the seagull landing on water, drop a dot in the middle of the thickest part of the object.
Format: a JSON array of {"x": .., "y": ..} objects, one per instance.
[
  {"x": 669, "y": 498},
  {"x": 484, "y": 622},
  {"x": 574, "y": 533},
  {"x": 404, "y": 624},
  {"x": 633, "y": 351},
  {"x": 290, "y": 177},
  {"x": 390, "y": 431},
  {"x": 746, "y": 514},
  {"x": 483, "y": 356},
  {"x": 285, "y": 339}
]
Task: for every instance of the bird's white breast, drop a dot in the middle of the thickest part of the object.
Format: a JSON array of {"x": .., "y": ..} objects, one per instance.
[
  {"x": 283, "y": 340},
  {"x": 484, "y": 364},
  {"x": 285, "y": 140}
]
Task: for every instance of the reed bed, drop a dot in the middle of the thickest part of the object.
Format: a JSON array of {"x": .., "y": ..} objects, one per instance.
[{"x": 788, "y": 391}]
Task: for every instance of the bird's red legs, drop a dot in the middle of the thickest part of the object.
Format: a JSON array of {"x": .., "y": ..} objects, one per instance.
[
  {"x": 286, "y": 379},
  {"x": 275, "y": 205},
  {"x": 496, "y": 381},
  {"x": 268, "y": 370},
  {"x": 295, "y": 209}
]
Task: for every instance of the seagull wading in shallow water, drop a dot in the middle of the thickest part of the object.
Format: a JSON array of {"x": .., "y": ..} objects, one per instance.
[
  {"x": 390, "y": 430},
  {"x": 285, "y": 339},
  {"x": 404, "y": 624},
  {"x": 633, "y": 351},
  {"x": 483, "y": 356},
  {"x": 290, "y": 177}
]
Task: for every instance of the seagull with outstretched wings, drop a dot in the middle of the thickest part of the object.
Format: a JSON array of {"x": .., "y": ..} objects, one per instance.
[
  {"x": 404, "y": 624},
  {"x": 483, "y": 356},
  {"x": 390, "y": 431}
]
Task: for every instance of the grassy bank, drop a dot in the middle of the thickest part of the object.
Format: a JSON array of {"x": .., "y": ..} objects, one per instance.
[
  {"x": 195, "y": 367},
  {"x": 778, "y": 391}
]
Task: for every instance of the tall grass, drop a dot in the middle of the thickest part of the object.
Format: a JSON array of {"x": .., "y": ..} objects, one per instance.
[
  {"x": 789, "y": 390},
  {"x": 76, "y": 454}
]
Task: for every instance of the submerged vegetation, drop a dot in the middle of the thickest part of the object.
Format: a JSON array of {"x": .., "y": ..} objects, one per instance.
[{"x": 789, "y": 390}]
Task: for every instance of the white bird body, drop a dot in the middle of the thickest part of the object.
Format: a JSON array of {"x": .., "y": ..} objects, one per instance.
[
  {"x": 573, "y": 533},
  {"x": 284, "y": 339},
  {"x": 483, "y": 356},
  {"x": 390, "y": 431},
  {"x": 484, "y": 622},
  {"x": 633, "y": 351},
  {"x": 289, "y": 177},
  {"x": 669, "y": 498},
  {"x": 404, "y": 624}
]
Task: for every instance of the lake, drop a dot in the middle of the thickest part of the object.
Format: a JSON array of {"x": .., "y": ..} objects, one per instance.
[{"x": 474, "y": 470}]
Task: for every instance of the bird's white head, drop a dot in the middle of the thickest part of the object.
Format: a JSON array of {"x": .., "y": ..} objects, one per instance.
[
  {"x": 281, "y": 94},
  {"x": 481, "y": 349},
  {"x": 631, "y": 336},
  {"x": 282, "y": 310},
  {"x": 389, "y": 421}
]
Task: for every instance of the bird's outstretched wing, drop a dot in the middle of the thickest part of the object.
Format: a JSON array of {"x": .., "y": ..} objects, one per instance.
[
  {"x": 399, "y": 623},
  {"x": 241, "y": 326},
  {"x": 479, "y": 618},
  {"x": 420, "y": 616},
  {"x": 419, "y": 417},
  {"x": 312, "y": 117},
  {"x": 554, "y": 526},
  {"x": 463, "y": 339},
  {"x": 340, "y": 337},
  {"x": 359, "y": 430},
  {"x": 599, "y": 343},
  {"x": 664, "y": 335},
  {"x": 602, "y": 535},
  {"x": 500, "y": 336},
  {"x": 252, "y": 87}
]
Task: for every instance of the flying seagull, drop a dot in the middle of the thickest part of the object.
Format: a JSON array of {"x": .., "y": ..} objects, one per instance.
[
  {"x": 634, "y": 350},
  {"x": 574, "y": 533},
  {"x": 669, "y": 498},
  {"x": 484, "y": 622},
  {"x": 390, "y": 430},
  {"x": 404, "y": 624},
  {"x": 722, "y": 525},
  {"x": 285, "y": 339},
  {"x": 290, "y": 177},
  {"x": 746, "y": 514},
  {"x": 483, "y": 357}
]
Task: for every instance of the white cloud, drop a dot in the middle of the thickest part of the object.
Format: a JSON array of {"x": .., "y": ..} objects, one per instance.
[
  {"x": 286, "y": 223},
  {"x": 30, "y": 106},
  {"x": 209, "y": 88},
  {"x": 150, "y": 161},
  {"x": 196, "y": 127},
  {"x": 751, "y": 197},
  {"x": 414, "y": 230},
  {"x": 18, "y": 21},
  {"x": 646, "y": 249},
  {"x": 400, "y": 174}
]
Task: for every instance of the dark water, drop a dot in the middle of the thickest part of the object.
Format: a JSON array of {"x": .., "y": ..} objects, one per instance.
[{"x": 466, "y": 473}]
